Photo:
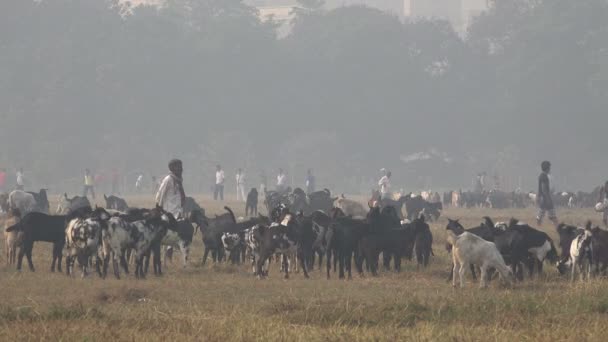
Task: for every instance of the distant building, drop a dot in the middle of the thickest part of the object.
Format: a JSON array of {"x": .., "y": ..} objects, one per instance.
[{"x": 396, "y": 7}]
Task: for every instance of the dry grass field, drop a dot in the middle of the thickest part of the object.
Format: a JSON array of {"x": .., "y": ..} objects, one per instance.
[{"x": 212, "y": 303}]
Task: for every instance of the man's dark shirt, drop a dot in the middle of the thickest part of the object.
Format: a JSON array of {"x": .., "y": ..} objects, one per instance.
[{"x": 544, "y": 195}]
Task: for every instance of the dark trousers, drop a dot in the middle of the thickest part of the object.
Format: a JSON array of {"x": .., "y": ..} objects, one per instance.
[
  {"x": 86, "y": 190},
  {"x": 218, "y": 191}
]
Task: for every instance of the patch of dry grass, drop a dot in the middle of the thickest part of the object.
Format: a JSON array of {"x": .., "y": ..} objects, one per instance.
[{"x": 222, "y": 302}]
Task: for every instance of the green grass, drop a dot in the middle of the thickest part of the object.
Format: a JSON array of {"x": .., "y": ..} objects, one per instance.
[{"x": 226, "y": 303}]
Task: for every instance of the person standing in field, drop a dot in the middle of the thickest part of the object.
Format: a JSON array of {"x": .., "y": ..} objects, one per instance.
[
  {"x": 171, "y": 195},
  {"x": 218, "y": 192},
  {"x": 88, "y": 184},
  {"x": 281, "y": 181},
  {"x": 385, "y": 186},
  {"x": 310, "y": 182},
  {"x": 139, "y": 183},
  {"x": 545, "y": 202},
  {"x": 240, "y": 185},
  {"x": 20, "y": 179}
]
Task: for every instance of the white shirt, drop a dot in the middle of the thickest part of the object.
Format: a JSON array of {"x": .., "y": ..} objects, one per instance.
[
  {"x": 140, "y": 179},
  {"x": 19, "y": 178},
  {"x": 385, "y": 185},
  {"x": 219, "y": 177},
  {"x": 240, "y": 179},
  {"x": 169, "y": 197},
  {"x": 281, "y": 178}
]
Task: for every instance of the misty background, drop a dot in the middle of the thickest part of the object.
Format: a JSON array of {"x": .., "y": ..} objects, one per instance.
[{"x": 346, "y": 91}]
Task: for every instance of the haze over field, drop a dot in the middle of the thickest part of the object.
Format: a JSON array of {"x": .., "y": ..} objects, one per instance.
[{"x": 93, "y": 84}]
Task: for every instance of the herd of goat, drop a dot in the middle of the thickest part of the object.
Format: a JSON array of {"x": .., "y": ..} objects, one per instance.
[{"x": 301, "y": 229}]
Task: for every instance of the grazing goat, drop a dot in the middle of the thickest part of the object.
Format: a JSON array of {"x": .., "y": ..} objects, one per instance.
[
  {"x": 11, "y": 238},
  {"x": 83, "y": 239},
  {"x": 581, "y": 254},
  {"x": 470, "y": 249}
]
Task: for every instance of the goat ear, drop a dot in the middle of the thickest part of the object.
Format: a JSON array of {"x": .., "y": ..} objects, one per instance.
[{"x": 588, "y": 225}]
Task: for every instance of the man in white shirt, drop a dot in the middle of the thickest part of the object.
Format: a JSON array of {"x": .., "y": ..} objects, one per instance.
[
  {"x": 240, "y": 185},
  {"x": 171, "y": 196},
  {"x": 281, "y": 181},
  {"x": 20, "y": 181},
  {"x": 219, "y": 183},
  {"x": 385, "y": 185}
]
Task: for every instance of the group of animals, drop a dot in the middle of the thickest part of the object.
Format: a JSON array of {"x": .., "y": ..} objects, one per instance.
[
  {"x": 497, "y": 199},
  {"x": 300, "y": 229}
]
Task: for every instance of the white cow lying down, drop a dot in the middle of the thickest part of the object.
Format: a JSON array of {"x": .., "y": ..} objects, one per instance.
[{"x": 469, "y": 249}]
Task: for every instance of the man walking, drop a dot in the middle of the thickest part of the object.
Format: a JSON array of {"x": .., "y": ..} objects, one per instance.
[
  {"x": 385, "y": 186},
  {"x": 171, "y": 196},
  {"x": 219, "y": 183},
  {"x": 88, "y": 184},
  {"x": 20, "y": 180},
  {"x": 281, "y": 181},
  {"x": 310, "y": 182},
  {"x": 545, "y": 202},
  {"x": 240, "y": 185}
]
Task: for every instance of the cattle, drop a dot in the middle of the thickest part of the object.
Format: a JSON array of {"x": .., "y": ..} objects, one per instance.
[
  {"x": 234, "y": 243},
  {"x": 42, "y": 227},
  {"x": 283, "y": 238},
  {"x": 298, "y": 201},
  {"x": 581, "y": 254},
  {"x": 115, "y": 203},
  {"x": 180, "y": 237},
  {"x": 351, "y": 207},
  {"x": 12, "y": 239},
  {"x": 342, "y": 240},
  {"x": 67, "y": 205},
  {"x": 191, "y": 205},
  {"x": 320, "y": 200},
  {"x": 485, "y": 230},
  {"x": 525, "y": 244},
  {"x": 382, "y": 234},
  {"x": 273, "y": 199},
  {"x": 83, "y": 239},
  {"x": 470, "y": 249},
  {"x": 599, "y": 246},
  {"x": 24, "y": 201},
  {"x": 42, "y": 201},
  {"x": 212, "y": 235},
  {"x": 423, "y": 243},
  {"x": 251, "y": 206},
  {"x": 566, "y": 234},
  {"x": 142, "y": 235}
]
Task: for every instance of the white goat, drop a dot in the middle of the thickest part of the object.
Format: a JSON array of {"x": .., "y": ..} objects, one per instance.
[
  {"x": 469, "y": 249},
  {"x": 581, "y": 255}
]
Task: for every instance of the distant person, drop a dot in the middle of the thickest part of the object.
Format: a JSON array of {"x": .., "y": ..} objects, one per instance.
[
  {"x": 115, "y": 182},
  {"x": 240, "y": 185},
  {"x": 480, "y": 181},
  {"x": 545, "y": 202},
  {"x": 139, "y": 183},
  {"x": 88, "y": 184},
  {"x": 310, "y": 182},
  {"x": 385, "y": 185},
  {"x": 218, "y": 191},
  {"x": 20, "y": 179},
  {"x": 171, "y": 195},
  {"x": 281, "y": 181},
  {"x": 604, "y": 202},
  {"x": 2, "y": 180}
]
